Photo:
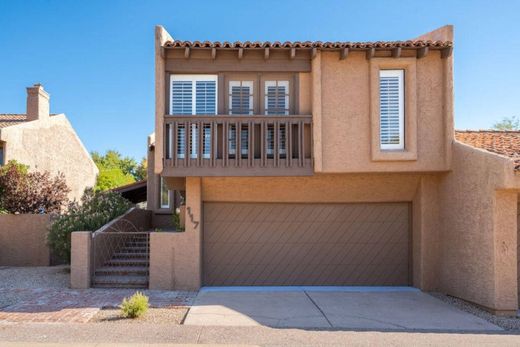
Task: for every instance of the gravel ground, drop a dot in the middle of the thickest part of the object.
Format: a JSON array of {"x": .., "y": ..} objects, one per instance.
[
  {"x": 35, "y": 277},
  {"x": 171, "y": 315},
  {"x": 507, "y": 323},
  {"x": 12, "y": 278}
]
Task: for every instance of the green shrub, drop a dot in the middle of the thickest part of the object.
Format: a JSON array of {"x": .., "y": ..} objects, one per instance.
[
  {"x": 95, "y": 210},
  {"x": 134, "y": 306},
  {"x": 176, "y": 220}
]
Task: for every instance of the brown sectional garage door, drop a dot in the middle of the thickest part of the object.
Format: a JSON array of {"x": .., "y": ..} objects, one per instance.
[{"x": 306, "y": 244}]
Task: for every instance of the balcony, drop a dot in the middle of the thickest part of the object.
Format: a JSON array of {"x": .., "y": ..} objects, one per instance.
[{"x": 226, "y": 145}]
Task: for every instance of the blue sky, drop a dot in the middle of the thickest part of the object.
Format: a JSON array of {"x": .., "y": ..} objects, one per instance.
[{"x": 96, "y": 57}]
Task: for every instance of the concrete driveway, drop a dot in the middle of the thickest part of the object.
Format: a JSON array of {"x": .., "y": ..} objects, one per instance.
[{"x": 322, "y": 307}]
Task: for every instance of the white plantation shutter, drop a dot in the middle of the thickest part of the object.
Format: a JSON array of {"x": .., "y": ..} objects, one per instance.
[
  {"x": 232, "y": 136},
  {"x": 193, "y": 95},
  {"x": 270, "y": 139},
  {"x": 194, "y": 144},
  {"x": 181, "y": 141},
  {"x": 206, "y": 97},
  {"x": 276, "y": 97},
  {"x": 391, "y": 106},
  {"x": 206, "y": 146},
  {"x": 181, "y": 97},
  {"x": 282, "y": 140},
  {"x": 241, "y": 97}
]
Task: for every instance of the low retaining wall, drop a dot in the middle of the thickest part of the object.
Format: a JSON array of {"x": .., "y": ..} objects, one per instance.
[
  {"x": 171, "y": 267},
  {"x": 23, "y": 240}
]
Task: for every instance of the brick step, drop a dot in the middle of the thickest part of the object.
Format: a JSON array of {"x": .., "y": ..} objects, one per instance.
[
  {"x": 125, "y": 255},
  {"x": 122, "y": 270},
  {"x": 132, "y": 249},
  {"x": 121, "y": 281},
  {"x": 137, "y": 244},
  {"x": 128, "y": 262},
  {"x": 120, "y": 286}
]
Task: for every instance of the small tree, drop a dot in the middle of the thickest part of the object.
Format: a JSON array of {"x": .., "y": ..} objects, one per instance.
[
  {"x": 116, "y": 170},
  {"x": 31, "y": 192},
  {"x": 508, "y": 123}
]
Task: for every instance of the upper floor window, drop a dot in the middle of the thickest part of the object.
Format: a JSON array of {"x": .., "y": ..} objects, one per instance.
[
  {"x": 391, "y": 109},
  {"x": 193, "y": 95},
  {"x": 241, "y": 97},
  {"x": 276, "y": 97},
  {"x": 1, "y": 154}
]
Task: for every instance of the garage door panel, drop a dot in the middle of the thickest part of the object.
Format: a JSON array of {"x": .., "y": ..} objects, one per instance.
[{"x": 306, "y": 244}]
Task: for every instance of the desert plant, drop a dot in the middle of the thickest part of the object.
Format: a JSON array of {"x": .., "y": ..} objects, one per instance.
[
  {"x": 31, "y": 192},
  {"x": 176, "y": 220},
  {"x": 95, "y": 210},
  {"x": 134, "y": 306}
]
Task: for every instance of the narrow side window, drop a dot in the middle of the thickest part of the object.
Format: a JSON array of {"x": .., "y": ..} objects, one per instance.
[
  {"x": 164, "y": 195},
  {"x": 391, "y": 109}
]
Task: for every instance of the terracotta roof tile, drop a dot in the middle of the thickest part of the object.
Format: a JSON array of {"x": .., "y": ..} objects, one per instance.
[
  {"x": 8, "y": 119},
  {"x": 310, "y": 44},
  {"x": 506, "y": 143}
]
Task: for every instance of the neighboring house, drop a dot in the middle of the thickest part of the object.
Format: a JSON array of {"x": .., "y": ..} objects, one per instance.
[
  {"x": 46, "y": 142},
  {"x": 311, "y": 163}
]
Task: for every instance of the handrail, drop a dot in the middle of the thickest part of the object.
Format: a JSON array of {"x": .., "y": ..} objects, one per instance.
[
  {"x": 236, "y": 144},
  {"x": 112, "y": 222},
  {"x": 237, "y": 118},
  {"x": 112, "y": 226}
]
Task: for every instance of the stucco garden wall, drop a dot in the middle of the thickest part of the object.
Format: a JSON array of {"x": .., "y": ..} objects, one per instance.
[
  {"x": 23, "y": 240},
  {"x": 478, "y": 238},
  {"x": 58, "y": 149}
]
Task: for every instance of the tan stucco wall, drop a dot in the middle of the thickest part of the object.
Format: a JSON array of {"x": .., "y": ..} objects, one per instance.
[
  {"x": 318, "y": 188},
  {"x": 51, "y": 144},
  {"x": 172, "y": 266},
  {"x": 477, "y": 248},
  {"x": 342, "y": 118},
  {"x": 80, "y": 262},
  {"x": 176, "y": 257},
  {"x": 23, "y": 240}
]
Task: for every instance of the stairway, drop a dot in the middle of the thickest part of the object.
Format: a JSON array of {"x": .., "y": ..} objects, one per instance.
[{"x": 128, "y": 267}]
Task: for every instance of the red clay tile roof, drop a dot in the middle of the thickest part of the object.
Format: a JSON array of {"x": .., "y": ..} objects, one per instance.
[
  {"x": 8, "y": 119},
  {"x": 412, "y": 44},
  {"x": 506, "y": 143}
]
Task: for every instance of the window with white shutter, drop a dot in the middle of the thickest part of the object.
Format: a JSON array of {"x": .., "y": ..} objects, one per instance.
[
  {"x": 241, "y": 97},
  {"x": 391, "y": 109},
  {"x": 193, "y": 95},
  {"x": 276, "y": 97}
]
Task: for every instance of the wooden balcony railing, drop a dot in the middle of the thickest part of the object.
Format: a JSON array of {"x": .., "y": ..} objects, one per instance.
[{"x": 238, "y": 145}]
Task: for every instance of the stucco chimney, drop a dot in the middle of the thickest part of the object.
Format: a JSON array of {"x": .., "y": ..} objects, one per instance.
[{"x": 37, "y": 103}]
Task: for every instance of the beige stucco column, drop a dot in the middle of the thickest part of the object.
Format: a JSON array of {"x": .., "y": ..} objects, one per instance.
[
  {"x": 425, "y": 238},
  {"x": 80, "y": 263},
  {"x": 505, "y": 259}
]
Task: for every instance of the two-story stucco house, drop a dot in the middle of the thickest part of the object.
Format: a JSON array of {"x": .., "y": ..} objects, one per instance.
[
  {"x": 331, "y": 163},
  {"x": 46, "y": 142}
]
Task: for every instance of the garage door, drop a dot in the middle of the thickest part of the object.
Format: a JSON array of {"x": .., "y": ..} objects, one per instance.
[{"x": 306, "y": 244}]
